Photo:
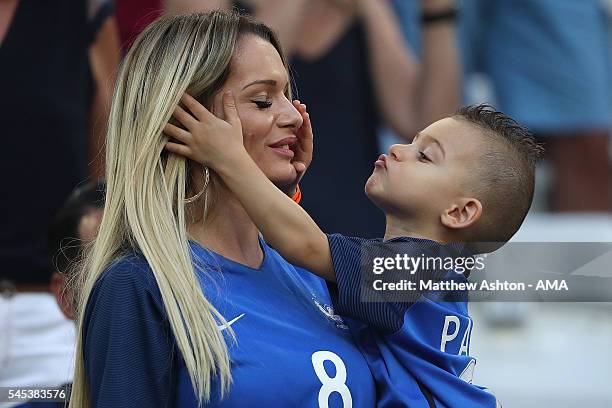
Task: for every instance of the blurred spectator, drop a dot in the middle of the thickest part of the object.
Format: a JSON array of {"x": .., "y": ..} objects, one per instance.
[
  {"x": 549, "y": 62},
  {"x": 57, "y": 66},
  {"x": 75, "y": 225},
  {"x": 352, "y": 67},
  {"x": 408, "y": 13},
  {"x": 133, "y": 16}
]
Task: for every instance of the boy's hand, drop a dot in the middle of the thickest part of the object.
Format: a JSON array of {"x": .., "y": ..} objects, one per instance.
[
  {"x": 303, "y": 147},
  {"x": 208, "y": 139}
]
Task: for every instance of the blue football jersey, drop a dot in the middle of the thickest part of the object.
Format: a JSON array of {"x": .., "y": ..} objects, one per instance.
[
  {"x": 418, "y": 349},
  {"x": 292, "y": 350}
]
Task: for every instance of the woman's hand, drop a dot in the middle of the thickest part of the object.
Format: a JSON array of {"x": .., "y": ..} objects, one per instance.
[
  {"x": 207, "y": 139},
  {"x": 303, "y": 148}
]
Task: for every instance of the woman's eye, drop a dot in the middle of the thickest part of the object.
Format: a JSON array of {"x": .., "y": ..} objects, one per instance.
[
  {"x": 423, "y": 156},
  {"x": 262, "y": 104}
]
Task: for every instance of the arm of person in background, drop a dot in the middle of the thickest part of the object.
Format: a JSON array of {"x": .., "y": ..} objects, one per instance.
[
  {"x": 214, "y": 142},
  {"x": 190, "y": 6},
  {"x": 104, "y": 55},
  {"x": 283, "y": 16},
  {"x": 412, "y": 94}
]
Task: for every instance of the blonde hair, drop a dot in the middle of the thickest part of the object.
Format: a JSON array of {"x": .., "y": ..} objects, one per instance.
[{"x": 146, "y": 187}]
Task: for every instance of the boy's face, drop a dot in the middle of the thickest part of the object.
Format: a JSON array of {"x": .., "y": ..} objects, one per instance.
[{"x": 422, "y": 179}]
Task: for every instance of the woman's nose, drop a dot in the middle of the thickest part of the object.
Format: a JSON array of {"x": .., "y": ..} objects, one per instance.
[{"x": 289, "y": 116}]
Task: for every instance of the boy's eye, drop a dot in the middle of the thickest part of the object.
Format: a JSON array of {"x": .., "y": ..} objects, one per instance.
[
  {"x": 423, "y": 156},
  {"x": 262, "y": 104}
]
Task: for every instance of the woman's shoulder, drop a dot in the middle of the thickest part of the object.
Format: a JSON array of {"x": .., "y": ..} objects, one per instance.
[
  {"x": 126, "y": 332},
  {"x": 126, "y": 292},
  {"x": 129, "y": 266},
  {"x": 302, "y": 277},
  {"x": 127, "y": 278}
]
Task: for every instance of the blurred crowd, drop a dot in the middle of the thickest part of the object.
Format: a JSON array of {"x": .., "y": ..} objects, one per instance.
[{"x": 371, "y": 72}]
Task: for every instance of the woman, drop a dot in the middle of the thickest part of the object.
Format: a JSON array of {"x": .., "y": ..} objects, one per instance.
[{"x": 178, "y": 267}]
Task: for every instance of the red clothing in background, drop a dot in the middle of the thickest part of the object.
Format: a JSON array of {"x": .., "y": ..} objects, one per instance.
[{"x": 133, "y": 16}]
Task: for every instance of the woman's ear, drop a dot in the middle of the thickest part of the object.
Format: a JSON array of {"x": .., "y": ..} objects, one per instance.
[
  {"x": 462, "y": 214},
  {"x": 216, "y": 107}
]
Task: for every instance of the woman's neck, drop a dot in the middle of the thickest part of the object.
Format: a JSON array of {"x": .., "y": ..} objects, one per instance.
[{"x": 229, "y": 232}]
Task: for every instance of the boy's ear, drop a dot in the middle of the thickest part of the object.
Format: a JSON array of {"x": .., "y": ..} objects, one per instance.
[
  {"x": 58, "y": 288},
  {"x": 462, "y": 214}
]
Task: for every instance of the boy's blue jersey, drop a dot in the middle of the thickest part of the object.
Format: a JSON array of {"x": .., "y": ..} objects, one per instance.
[
  {"x": 291, "y": 350},
  {"x": 418, "y": 350}
]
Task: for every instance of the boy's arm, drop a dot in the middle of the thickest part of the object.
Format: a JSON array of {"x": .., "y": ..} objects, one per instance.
[
  {"x": 283, "y": 223},
  {"x": 217, "y": 143}
]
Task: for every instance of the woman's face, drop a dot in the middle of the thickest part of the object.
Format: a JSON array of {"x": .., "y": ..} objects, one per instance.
[{"x": 270, "y": 122}]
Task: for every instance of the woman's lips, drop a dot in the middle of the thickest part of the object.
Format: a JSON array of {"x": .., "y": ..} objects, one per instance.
[
  {"x": 381, "y": 162},
  {"x": 284, "y": 151},
  {"x": 283, "y": 147}
]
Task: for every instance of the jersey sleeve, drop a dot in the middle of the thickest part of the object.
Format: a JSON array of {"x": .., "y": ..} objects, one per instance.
[
  {"x": 129, "y": 349},
  {"x": 352, "y": 294}
]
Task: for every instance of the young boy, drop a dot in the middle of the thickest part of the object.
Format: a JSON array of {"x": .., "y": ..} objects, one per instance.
[{"x": 466, "y": 178}]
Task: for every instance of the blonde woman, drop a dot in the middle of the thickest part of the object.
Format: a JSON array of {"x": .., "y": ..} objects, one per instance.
[{"x": 182, "y": 303}]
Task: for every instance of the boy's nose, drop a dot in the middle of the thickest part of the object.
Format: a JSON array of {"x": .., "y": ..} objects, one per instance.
[{"x": 396, "y": 152}]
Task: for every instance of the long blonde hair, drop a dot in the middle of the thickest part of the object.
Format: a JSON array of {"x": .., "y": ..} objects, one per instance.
[{"x": 146, "y": 187}]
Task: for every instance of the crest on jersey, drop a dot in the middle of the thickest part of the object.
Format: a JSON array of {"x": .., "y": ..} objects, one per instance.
[
  {"x": 328, "y": 311},
  {"x": 468, "y": 372}
]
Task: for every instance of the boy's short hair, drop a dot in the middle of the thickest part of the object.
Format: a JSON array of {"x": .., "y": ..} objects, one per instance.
[
  {"x": 505, "y": 172},
  {"x": 65, "y": 244}
]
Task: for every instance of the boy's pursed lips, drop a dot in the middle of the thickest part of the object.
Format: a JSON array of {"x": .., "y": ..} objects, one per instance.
[{"x": 381, "y": 161}]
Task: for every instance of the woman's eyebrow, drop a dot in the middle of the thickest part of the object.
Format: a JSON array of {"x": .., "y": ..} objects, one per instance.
[{"x": 270, "y": 82}]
